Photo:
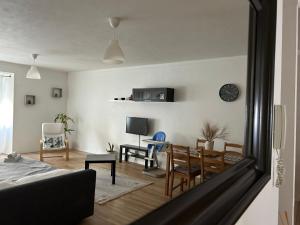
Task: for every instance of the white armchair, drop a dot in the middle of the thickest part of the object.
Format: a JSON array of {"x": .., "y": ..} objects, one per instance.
[{"x": 53, "y": 139}]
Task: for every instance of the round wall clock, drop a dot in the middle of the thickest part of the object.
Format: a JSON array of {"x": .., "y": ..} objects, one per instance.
[{"x": 229, "y": 92}]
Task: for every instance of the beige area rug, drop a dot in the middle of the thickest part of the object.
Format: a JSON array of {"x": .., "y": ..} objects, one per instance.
[{"x": 105, "y": 191}]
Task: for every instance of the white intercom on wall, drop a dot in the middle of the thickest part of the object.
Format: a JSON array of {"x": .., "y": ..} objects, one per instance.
[
  {"x": 279, "y": 126},
  {"x": 279, "y": 132}
]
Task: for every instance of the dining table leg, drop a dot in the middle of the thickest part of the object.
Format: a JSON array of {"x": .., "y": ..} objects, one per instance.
[{"x": 167, "y": 175}]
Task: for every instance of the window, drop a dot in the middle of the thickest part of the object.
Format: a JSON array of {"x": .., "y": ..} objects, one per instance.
[{"x": 6, "y": 112}]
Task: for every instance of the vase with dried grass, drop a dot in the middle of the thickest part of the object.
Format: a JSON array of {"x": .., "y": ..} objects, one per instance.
[{"x": 210, "y": 132}]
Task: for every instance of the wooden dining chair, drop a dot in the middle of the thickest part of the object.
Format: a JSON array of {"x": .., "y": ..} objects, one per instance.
[
  {"x": 231, "y": 147},
  {"x": 233, "y": 152},
  {"x": 181, "y": 166},
  {"x": 211, "y": 162},
  {"x": 200, "y": 143}
]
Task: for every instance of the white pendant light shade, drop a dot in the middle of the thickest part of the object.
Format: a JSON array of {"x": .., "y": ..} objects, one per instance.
[
  {"x": 113, "y": 53},
  {"x": 33, "y": 73}
]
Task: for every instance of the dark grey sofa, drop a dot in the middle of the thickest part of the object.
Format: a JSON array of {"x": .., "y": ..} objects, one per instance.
[{"x": 61, "y": 200}]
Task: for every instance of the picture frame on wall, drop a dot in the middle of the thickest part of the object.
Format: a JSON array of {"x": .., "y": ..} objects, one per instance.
[
  {"x": 56, "y": 92},
  {"x": 29, "y": 99}
]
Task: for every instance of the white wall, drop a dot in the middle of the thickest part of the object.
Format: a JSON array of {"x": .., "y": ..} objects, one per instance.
[
  {"x": 289, "y": 98},
  {"x": 297, "y": 172},
  {"x": 196, "y": 86},
  {"x": 28, "y": 119}
]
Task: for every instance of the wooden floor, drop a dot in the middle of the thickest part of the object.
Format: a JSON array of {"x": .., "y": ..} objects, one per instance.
[{"x": 125, "y": 209}]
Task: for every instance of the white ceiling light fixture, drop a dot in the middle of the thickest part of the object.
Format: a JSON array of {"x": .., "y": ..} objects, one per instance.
[
  {"x": 33, "y": 72},
  {"x": 114, "y": 53}
]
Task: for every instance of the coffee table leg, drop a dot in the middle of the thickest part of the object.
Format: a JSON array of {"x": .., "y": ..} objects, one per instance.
[
  {"x": 113, "y": 172},
  {"x": 87, "y": 165},
  {"x": 146, "y": 160},
  {"x": 126, "y": 154},
  {"x": 120, "y": 154},
  {"x": 111, "y": 169}
]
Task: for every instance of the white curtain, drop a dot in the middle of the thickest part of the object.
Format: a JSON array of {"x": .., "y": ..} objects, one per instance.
[{"x": 6, "y": 112}]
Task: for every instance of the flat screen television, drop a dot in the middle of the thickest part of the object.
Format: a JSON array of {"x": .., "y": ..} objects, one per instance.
[{"x": 136, "y": 125}]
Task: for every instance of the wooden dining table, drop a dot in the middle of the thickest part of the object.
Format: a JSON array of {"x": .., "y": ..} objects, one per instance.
[{"x": 230, "y": 158}]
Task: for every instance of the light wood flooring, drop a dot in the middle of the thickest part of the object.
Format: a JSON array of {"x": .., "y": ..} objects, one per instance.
[{"x": 125, "y": 209}]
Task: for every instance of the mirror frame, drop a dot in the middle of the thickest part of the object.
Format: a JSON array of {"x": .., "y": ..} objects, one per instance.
[{"x": 224, "y": 199}]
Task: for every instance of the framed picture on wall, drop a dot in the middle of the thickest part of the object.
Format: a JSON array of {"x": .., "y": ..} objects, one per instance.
[
  {"x": 29, "y": 99},
  {"x": 56, "y": 92}
]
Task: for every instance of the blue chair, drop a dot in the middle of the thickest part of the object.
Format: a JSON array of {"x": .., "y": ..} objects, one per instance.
[
  {"x": 153, "y": 148},
  {"x": 158, "y": 136}
]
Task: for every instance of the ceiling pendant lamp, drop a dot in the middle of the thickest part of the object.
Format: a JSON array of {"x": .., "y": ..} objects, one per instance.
[
  {"x": 33, "y": 72},
  {"x": 114, "y": 53}
]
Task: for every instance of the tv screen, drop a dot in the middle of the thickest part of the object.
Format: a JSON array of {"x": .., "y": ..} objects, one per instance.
[{"x": 136, "y": 125}]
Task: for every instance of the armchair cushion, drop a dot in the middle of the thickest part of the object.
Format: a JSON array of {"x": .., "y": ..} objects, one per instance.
[{"x": 54, "y": 141}]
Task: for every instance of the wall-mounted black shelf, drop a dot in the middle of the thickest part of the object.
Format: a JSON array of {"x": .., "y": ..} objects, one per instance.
[{"x": 153, "y": 94}]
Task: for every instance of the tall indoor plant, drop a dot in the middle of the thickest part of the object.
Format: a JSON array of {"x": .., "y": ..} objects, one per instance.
[
  {"x": 211, "y": 132},
  {"x": 64, "y": 119}
]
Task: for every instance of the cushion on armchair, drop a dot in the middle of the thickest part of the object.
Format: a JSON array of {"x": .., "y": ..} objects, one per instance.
[{"x": 54, "y": 141}]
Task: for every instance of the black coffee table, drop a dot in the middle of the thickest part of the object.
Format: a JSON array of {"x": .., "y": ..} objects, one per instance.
[{"x": 103, "y": 158}]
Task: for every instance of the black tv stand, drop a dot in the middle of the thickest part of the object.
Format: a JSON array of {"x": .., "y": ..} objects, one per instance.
[
  {"x": 139, "y": 141},
  {"x": 128, "y": 147}
]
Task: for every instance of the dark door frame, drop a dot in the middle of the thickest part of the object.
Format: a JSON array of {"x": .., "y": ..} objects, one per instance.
[{"x": 223, "y": 200}]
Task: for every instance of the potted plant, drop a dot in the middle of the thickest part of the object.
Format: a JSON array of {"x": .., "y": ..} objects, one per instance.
[
  {"x": 111, "y": 147},
  {"x": 210, "y": 133},
  {"x": 64, "y": 119}
]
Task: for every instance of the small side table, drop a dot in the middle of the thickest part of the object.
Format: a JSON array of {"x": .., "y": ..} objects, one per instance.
[{"x": 103, "y": 158}]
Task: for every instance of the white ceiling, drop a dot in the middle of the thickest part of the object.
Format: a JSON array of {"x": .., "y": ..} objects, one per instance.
[{"x": 72, "y": 35}]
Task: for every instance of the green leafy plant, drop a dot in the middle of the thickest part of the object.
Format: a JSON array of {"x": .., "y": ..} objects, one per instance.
[
  {"x": 111, "y": 147},
  {"x": 211, "y": 132},
  {"x": 64, "y": 119}
]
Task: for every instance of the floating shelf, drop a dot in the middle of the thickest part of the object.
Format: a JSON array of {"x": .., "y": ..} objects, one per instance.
[
  {"x": 131, "y": 101},
  {"x": 121, "y": 101}
]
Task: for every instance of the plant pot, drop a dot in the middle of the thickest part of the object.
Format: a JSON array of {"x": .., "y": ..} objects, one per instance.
[
  {"x": 209, "y": 145},
  {"x": 109, "y": 151}
]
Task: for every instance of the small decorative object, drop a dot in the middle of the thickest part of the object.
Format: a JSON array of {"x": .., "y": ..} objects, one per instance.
[
  {"x": 209, "y": 145},
  {"x": 162, "y": 96},
  {"x": 123, "y": 99},
  {"x": 111, "y": 147},
  {"x": 29, "y": 99},
  {"x": 64, "y": 118},
  {"x": 56, "y": 92},
  {"x": 229, "y": 92},
  {"x": 212, "y": 132},
  {"x": 116, "y": 99}
]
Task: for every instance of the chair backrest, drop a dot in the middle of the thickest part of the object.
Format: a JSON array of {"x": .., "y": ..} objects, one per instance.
[
  {"x": 158, "y": 136},
  {"x": 52, "y": 129},
  {"x": 212, "y": 161},
  {"x": 233, "y": 147},
  {"x": 180, "y": 156},
  {"x": 200, "y": 143},
  {"x": 53, "y": 136}
]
